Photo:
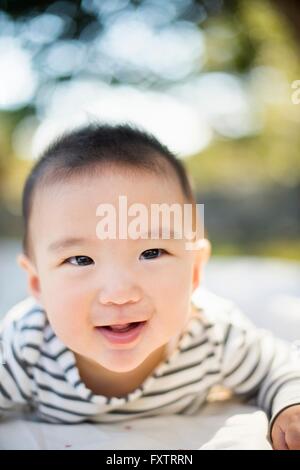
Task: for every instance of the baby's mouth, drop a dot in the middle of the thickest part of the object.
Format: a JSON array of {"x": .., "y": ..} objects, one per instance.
[
  {"x": 122, "y": 334},
  {"x": 122, "y": 328}
]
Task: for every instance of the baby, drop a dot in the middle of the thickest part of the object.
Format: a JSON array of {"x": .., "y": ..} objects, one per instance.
[{"x": 117, "y": 327}]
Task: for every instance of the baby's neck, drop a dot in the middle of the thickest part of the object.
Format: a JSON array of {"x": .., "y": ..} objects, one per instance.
[{"x": 101, "y": 381}]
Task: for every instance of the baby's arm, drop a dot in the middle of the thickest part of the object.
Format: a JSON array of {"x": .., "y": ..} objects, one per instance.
[
  {"x": 256, "y": 364},
  {"x": 15, "y": 377}
]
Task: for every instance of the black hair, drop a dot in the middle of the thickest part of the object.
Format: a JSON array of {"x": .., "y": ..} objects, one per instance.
[{"x": 80, "y": 150}]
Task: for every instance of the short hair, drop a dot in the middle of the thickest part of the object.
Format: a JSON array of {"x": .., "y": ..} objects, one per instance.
[{"x": 80, "y": 150}]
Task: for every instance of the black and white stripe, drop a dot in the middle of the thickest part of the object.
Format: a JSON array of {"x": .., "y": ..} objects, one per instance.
[{"x": 219, "y": 346}]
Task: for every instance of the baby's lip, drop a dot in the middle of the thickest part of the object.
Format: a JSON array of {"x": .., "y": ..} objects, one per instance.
[{"x": 122, "y": 323}]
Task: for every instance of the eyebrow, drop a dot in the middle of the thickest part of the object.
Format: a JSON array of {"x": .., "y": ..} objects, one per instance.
[
  {"x": 69, "y": 242},
  {"x": 159, "y": 232},
  {"x": 66, "y": 243}
]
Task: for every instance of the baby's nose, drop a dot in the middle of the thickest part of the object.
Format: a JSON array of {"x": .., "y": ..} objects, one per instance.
[{"x": 119, "y": 292}]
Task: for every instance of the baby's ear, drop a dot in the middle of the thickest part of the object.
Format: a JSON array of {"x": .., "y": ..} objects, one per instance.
[
  {"x": 32, "y": 276},
  {"x": 205, "y": 250},
  {"x": 202, "y": 255}
]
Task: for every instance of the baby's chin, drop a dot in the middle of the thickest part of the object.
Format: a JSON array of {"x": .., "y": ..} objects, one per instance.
[
  {"x": 134, "y": 361},
  {"x": 121, "y": 362}
]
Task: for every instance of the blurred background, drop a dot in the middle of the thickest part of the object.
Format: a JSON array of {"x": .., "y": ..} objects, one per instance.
[{"x": 218, "y": 81}]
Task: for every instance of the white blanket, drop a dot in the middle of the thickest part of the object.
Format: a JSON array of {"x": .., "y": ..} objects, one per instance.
[{"x": 221, "y": 425}]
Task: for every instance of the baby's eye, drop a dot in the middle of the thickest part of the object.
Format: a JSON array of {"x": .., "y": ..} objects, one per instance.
[
  {"x": 79, "y": 260},
  {"x": 153, "y": 253}
]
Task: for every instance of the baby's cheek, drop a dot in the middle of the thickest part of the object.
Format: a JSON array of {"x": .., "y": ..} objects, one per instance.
[
  {"x": 175, "y": 304},
  {"x": 67, "y": 315},
  {"x": 176, "y": 289}
]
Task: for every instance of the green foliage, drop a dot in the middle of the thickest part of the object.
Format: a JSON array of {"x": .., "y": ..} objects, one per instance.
[{"x": 252, "y": 41}]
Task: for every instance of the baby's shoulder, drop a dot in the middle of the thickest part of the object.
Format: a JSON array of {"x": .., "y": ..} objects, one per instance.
[
  {"x": 23, "y": 329},
  {"x": 217, "y": 312},
  {"x": 213, "y": 308}
]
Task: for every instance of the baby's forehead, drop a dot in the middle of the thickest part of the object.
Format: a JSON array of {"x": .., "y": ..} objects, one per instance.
[
  {"x": 79, "y": 201},
  {"x": 82, "y": 193},
  {"x": 131, "y": 180}
]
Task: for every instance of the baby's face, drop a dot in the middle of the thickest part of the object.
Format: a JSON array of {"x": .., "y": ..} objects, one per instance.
[{"x": 90, "y": 283}]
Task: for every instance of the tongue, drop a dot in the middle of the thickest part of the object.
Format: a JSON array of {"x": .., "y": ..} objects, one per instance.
[{"x": 120, "y": 327}]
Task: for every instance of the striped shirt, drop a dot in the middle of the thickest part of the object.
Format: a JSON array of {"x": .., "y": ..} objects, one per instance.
[{"x": 219, "y": 345}]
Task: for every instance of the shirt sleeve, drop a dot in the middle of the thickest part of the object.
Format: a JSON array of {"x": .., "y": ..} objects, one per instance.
[
  {"x": 15, "y": 377},
  {"x": 258, "y": 365}
]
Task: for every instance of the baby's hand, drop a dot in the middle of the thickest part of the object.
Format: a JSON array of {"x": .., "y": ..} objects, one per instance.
[{"x": 286, "y": 429}]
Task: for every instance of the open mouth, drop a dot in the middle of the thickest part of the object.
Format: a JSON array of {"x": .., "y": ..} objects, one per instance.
[
  {"x": 122, "y": 334},
  {"x": 123, "y": 328}
]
